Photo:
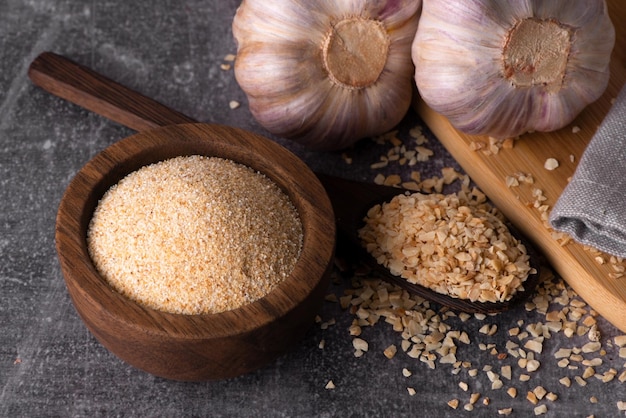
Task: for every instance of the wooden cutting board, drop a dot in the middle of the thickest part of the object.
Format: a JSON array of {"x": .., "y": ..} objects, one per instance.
[{"x": 576, "y": 264}]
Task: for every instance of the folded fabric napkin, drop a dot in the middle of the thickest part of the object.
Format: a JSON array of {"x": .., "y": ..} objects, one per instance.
[{"x": 592, "y": 208}]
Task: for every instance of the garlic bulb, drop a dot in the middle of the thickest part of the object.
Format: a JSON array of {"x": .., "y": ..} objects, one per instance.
[
  {"x": 326, "y": 73},
  {"x": 504, "y": 68}
]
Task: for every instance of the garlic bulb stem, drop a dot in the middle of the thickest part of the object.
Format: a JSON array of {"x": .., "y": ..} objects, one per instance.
[
  {"x": 355, "y": 51},
  {"x": 536, "y": 53}
]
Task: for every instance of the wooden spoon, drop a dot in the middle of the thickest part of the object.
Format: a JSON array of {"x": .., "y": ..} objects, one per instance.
[{"x": 350, "y": 199}]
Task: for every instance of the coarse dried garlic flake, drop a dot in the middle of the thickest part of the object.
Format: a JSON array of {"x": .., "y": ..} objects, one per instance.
[
  {"x": 411, "y": 234},
  {"x": 551, "y": 164},
  {"x": 453, "y": 403}
]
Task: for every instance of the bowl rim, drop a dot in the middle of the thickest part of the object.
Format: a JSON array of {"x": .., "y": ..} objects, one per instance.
[{"x": 110, "y": 165}]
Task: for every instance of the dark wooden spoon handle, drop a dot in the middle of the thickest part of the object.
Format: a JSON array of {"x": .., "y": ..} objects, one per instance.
[{"x": 78, "y": 84}]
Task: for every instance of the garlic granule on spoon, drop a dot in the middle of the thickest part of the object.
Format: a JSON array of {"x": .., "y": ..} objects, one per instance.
[
  {"x": 447, "y": 244},
  {"x": 326, "y": 73},
  {"x": 504, "y": 68}
]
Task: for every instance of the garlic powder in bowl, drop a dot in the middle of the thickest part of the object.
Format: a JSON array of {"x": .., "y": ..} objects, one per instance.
[{"x": 195, "y": 235}]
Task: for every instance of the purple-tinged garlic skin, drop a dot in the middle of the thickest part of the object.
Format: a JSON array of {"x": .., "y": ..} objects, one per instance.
[
  {"x": 326, "y": 73},
  {"x": 505, "y": 68}
]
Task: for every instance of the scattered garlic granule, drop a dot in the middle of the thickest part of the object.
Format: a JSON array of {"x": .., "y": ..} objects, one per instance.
[
  {"x": 390, "y": 351},
  {"x": 551, "y": 164}
]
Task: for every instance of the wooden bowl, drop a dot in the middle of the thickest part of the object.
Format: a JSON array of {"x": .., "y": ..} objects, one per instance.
[{"x": 207, "y": 346}]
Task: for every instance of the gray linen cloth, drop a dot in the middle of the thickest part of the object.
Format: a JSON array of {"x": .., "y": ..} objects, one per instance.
[{"x": 592, "y": 208}]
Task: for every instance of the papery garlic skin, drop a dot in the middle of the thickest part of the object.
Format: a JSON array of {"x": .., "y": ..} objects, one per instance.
[
  {"x": 462, "y": 73},
  {"x": 298, "y": 88}
]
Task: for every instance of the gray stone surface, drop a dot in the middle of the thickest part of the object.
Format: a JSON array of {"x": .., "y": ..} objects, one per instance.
[{"x": 50, "y": 365}]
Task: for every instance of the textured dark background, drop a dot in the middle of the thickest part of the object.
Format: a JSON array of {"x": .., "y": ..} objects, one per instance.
[{"x": 49, "y": 363}]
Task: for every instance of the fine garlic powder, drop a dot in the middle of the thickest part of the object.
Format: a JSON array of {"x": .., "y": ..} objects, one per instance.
[{"x": 195, "y": 235}]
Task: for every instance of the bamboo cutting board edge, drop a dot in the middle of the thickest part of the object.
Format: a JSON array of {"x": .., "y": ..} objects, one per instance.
[{"x": 575, "y": 263}]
